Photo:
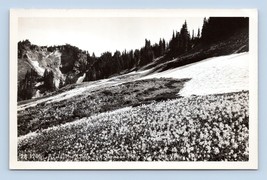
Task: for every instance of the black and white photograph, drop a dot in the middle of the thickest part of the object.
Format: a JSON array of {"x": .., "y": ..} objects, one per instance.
[{"x": 133, "y": 89}]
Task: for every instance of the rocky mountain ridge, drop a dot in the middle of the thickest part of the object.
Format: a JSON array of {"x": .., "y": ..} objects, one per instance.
[{"x": 42, "y": 69}]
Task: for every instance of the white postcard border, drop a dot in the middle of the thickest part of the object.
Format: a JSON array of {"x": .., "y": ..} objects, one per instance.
[{"x": 253, "y": 84}]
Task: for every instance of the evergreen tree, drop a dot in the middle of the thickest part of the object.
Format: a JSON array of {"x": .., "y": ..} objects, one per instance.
[
  {"x": 49, "y": 80},
  {"x": 184, "y": 39},
  {"x": 137, "y": 57},
  {"x": 193, "y": 35},
  {"x": 147, "y": 54},
  {"x": 198, "y": 33},
  {"x": 163, "y": 46},
  {"x": 117, "y": 61},
  {"x": 204, "y": 32}
]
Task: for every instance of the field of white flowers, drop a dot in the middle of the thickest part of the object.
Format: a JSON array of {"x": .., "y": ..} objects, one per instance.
[{"x": 195, "y": 128}]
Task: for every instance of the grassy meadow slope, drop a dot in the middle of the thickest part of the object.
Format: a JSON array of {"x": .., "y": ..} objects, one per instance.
[
  {"x": 197, "y": 128},
  {"x": 106, "y": 98}
]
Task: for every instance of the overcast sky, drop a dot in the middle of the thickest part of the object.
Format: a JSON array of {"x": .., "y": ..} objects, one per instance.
[{"x": 102, "y": 34}]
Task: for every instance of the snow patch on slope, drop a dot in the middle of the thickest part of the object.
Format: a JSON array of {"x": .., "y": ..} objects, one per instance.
[
  {"x": 35, "y": 65},
  {"x": 213, "y": 75},
  {"x": 80, "y": 79}
]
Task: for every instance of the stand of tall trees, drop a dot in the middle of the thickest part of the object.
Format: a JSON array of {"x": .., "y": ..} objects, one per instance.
[
  {"x": 26, "y": 87},
  {"x": 109, "y": 64},
  {"x": 181, "y": 42},
  {"x": 48, "y": 79},
  {"x": 217, "y": 28}
]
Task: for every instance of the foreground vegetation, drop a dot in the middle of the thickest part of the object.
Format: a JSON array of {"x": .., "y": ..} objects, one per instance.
[
  {"x": 106, "y": 98},
  {"x": 196, "y": 128}
]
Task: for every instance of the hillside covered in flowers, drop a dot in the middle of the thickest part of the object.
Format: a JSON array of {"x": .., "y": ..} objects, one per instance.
[
  {"x": 186, "y": 99},
  {"x": 197, "y": 128}
]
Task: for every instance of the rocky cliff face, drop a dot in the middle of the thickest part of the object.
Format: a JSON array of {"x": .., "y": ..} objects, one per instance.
[
  {"x": 41, "y": 60},
  {"x": 44, "y": 69}
]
